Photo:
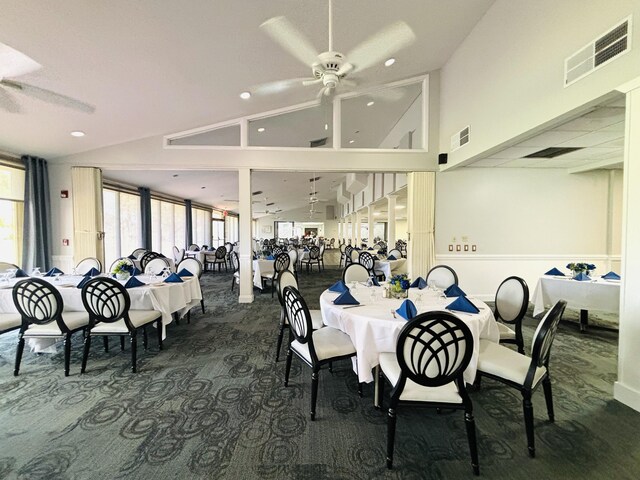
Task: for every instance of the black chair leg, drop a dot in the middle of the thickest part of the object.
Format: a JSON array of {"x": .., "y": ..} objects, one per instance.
[
  {"x": 19, "y": 351},
  {"x": 546, "y": 384},
  {"x": 105, "y": 341},
  {"x": 280, "y": 335},
  {"x": 527, "y": 406},
  {"x": 360, "y": 389},
  {"x": 380, "y": 381},
  {"x": 287, "y": 369},
  {"x": 159, "y": 329},
  {"x": 145, "y": 339},
  {"x": 202, "y": 305},
  {"x": 85, "y": 353},
  {"x": 314, "y": 392},
  {"x": 67, "y": 353},
  {"x": 391, "y": 435},
  {"x": 121, "y": 343},
  {"x": 473, "y": 445},
  {"x": 134, "y": 348}
]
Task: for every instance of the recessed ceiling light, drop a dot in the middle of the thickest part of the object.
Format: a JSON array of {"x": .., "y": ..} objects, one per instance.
[
  {"x": 77, "y": 133},
  {"x": 261, "y": 129},
  {"x": 370, "y": 103},
  {"x": 390, "y": 62},
  {"x": 245, "y": 95},
  {"x": 351, "y": 141},
  {"x": 326, "y": 126}
]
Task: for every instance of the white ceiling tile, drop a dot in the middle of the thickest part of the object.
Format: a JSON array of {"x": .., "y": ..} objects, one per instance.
[
  {"x": 524, "y": 163},
  {"x": 595, "y": 120},
  {"x": 515, "y": 152},
  {"x": 592, "y": 152},
  {"x": 591, "y": 139},
  {"x": 551, "y": 138},
  {"x": 489, "y": 162}
]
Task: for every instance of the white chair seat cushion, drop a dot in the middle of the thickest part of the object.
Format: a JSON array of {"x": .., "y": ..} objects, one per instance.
[
  {"x": 73, "y": 321},
  {"x": 9, "y": 320},
  {"x": 138, "y": 318},
  {"x": 414, "y": 392},
  {"x": 328, "y": 343},
  {"x": 316, "y": 319},
  {"x": 506, "y": 363},
  {"x": 505, "y": 332}
]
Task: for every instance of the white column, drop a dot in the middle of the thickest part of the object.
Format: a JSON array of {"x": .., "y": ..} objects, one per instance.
[
  {"x": 246, "y": 241},
  {"x": 358, "y": 230},
  {"x": 420, "y": 214},
  {"x": 370, "y": 212},
  {"x": 391, "y": 221},
  {"x": 352, "y": 234},
  {"x": 627, "y": 388}
]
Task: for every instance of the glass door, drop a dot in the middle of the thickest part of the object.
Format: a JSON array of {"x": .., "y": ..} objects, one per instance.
[{"x": 217, "y": 233}]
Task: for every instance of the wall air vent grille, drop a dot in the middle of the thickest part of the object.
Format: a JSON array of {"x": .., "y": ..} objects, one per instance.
[
  {"x": 460, "y": 139},
  {"x": 598, "y": 53}
]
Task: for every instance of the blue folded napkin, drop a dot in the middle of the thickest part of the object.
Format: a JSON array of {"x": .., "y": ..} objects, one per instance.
[
  {"x": 185, "y": 273},
  {"x": 132, "y": 257},
  {"x": 555, "y": 272},
  {"x": 462, "y": 304},
  {"x": 197, "y": 249},
  {"x": 92, "y": 273},
  {"x": 419, "y": 283},
  {"x": 135, "y": 271},
  {"x": 305, "y": 249},
  {"x": 454, "y": 291},
  {"x": 407, "y": 310},
  {"x": 611, "y": 276},
  {"x": 83, "y": 282},
  {"x": 346, "y": 298},
  {"x": 53, "y": 271},
  {"x": 339, "y": 287},
  {"x": 270, "y": 257},
  {"x": 173, "y": 278},
  {"x": 255, "y": 258},
  {"x": 20, "y": 273},
  {"x": 391, "y": 257},
  {"x": 370, "y": 248},
  {"x": 581, "y": 277},
  {"x": 133, "y": 282},
  {"x": 375, "y": 282}
]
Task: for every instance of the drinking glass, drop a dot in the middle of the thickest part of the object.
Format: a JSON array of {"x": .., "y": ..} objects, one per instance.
[
  {"x": 57, "y": 276},
  {"x": 36, "y": 272},
  {"x": 12, "y": 272}
]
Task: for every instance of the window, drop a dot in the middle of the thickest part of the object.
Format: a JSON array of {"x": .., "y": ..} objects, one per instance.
[
  {"x": 167, "y": 226},
  {"x": 201, "y": 220},
  {"x": 11, "y": 213},
  {"x": 122, "y": 224},
  {"x": 231, "y": 231}
]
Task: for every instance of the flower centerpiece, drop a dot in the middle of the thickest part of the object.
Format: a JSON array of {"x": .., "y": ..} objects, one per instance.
[
  {"x": 122, "y": 269},
  {"x": 399, "y": 286},
  {"x": 577, "y": 268}
]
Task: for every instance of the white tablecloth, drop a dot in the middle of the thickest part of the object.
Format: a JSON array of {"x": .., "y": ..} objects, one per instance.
[
  {"x": 374, "y": 330},
  {"x": 167, "y": 298},
  {"x": 261, "y": 267},
  {"x": 598, "y": 294},
  {"x": 390, "y": 267}
]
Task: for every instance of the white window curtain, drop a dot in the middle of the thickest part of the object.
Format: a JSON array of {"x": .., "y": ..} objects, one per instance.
[{"x": 421, "y": 188}]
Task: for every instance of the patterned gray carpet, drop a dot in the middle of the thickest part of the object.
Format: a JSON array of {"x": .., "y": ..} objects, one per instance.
[{"x": 212, "y": 405}]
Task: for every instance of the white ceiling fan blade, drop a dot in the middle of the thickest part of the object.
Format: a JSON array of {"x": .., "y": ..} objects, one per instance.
[
  {"x": 291, "y": 39},
  {"x": 49, "y": 96},
  {"x": 7, "y": 102},
  {"x": 277, "y": 86},
  {"x": 14, "y": 63},
  {"x": 381, "y": 45},
  {"x": 313, "y": 81},
  {"x": 344, "y": 69}
]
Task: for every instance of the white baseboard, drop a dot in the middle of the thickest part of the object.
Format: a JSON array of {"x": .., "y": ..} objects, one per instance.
[{"x": 627, "y": 395}]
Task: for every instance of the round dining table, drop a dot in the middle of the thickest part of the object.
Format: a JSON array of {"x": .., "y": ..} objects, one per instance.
[{"x": 374, "y": 325}]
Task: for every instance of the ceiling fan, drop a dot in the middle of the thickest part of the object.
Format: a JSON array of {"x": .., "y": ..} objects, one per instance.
[
  {"x": 266, "y": 210},
  {"x": 329, "y": 69},
  {"x": 15, "y": 64}
]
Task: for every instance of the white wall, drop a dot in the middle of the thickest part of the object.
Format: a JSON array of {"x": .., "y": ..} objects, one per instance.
[
  {"x": 61, "y": 216},
  {"x": 523, "y": 222},
  {"x": 329, "y": 227},
  {"x": 506, "y": 79}
]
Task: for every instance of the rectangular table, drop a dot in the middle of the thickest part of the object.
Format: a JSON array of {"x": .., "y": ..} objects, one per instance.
[
  {"x": 598, "y": 294},
  {"x": 167, "y": 298}
]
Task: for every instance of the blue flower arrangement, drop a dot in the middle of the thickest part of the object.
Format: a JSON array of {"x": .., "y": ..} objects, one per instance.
[
  {"x": 400, "y": 282},
  {"x": 576, "y": 268}
]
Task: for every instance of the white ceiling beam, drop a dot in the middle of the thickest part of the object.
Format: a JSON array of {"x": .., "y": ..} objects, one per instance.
[{"x": 609, "y": 162}]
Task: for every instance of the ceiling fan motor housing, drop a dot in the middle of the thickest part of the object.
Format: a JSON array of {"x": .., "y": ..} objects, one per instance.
[{"x": 329, "y": 63}]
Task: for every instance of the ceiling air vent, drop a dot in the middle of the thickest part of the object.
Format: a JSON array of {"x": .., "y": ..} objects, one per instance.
[
  {"x": 552, "y": 152},
  {"x": 460, "y": 139},
  {"x": 599, "y": 52},
  {"x": 318, "y": 143}
]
